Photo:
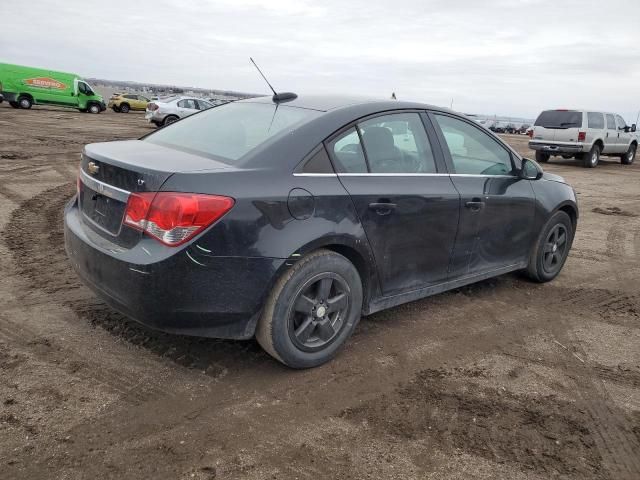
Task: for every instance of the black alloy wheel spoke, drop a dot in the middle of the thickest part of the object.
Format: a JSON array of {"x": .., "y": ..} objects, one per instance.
[
  {"x": 337, "y": 303},
  {"x": 562, "y": 238},
  {"x": 325, "y": 330},
  {"x": 306, "y": 328},
  {"x": 304, "y": 304}
]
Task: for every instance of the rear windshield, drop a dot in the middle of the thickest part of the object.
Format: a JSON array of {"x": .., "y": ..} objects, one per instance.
[
  {"x": 231, "y": 130},
  {"x": 559, "y": 119}
]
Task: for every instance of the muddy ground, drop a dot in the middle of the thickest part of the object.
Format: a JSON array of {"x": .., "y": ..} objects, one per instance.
[{"x": 503, "y": 379}]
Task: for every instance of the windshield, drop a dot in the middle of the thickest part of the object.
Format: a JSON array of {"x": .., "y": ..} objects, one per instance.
[
  {"x": 559, "y": 119},
  {"x": 231, "y": 130}
]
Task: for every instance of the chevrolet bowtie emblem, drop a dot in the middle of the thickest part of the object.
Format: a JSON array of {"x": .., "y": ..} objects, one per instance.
[{"x": 92, "y": 168}]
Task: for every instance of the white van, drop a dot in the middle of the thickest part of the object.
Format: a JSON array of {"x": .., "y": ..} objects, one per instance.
[{"x": 584, "y": 135}]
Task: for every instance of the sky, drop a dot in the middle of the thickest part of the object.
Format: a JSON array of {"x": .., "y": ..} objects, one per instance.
[{"x": 504, "y": 57}]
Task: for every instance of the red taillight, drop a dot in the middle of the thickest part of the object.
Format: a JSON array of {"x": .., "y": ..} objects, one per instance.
[
  {"x": 172, "y": 217},
  {"x": 530, "y": 133},
  {"x": 582, "y": 136},
  {"x": 152, "y": 107}
]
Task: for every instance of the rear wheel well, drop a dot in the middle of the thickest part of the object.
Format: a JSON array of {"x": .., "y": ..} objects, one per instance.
[
  {"x": 600, "y": 143},
  {"x": 28, "y": 95},
  {"x": 361, "y": 265}
]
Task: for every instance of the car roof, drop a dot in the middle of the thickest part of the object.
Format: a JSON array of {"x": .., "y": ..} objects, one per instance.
[{"x": 326, "y": 103}]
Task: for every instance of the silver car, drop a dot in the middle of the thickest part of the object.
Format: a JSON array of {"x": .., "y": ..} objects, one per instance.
[
  {"x": 171, "y": 109},
  {"x": 584, "y": 135}
]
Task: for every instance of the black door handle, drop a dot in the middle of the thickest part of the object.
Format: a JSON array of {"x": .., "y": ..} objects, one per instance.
[
  {"x": 383, "y": 208},
  {"x": 475, "y": 204}
]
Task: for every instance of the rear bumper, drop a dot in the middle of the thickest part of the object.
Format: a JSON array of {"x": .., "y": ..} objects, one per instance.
[
  {"x": 185, "y": 292},
  {"x": 556, "y": 148}
]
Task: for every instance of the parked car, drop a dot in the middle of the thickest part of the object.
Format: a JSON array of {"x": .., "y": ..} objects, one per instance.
[
  {"x": 585, "y": 135},
  {"x": 288, "y": 220},
  {"x": 24, "y": 87},
  {"x": 523, "y": 128},
  {"x": 172, "y": 109},
  {"x": 123, "y": 102}
]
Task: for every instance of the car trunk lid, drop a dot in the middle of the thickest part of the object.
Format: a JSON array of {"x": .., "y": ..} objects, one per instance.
[{"x": 111, "y": 171}]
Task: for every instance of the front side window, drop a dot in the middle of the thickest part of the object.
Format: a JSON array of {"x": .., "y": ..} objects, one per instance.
[
  {"x": 82, "y": 88},
  {"x": 397, "y": 143},
  {"x": 596, "y": 120},
  {"x": 347, "y": 152},
  {"x": 230, "y": 131},
  {"x": 611, "y": 122},
  {"x": 473, "y": 151},
  {"x": 202, "y": 105},
  {"x": 621, "y": 123}
]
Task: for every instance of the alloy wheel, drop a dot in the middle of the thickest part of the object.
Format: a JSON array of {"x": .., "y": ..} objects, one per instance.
[
  {"x": 555, "y": 248},
  {"x": 319, "y": 311}
]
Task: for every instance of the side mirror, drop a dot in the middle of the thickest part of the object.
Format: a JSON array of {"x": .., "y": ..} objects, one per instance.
[
  {"x": 530, "y": 170},
  {"x": 633, "y": 127}
]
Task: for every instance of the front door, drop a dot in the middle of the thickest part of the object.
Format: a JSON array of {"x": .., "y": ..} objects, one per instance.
[
  {"x": 611, "y": 136},
  {"x": 406, "y": 202},
  {"x": 624, "y": 136},
  {"x": 497, "y": 207}
]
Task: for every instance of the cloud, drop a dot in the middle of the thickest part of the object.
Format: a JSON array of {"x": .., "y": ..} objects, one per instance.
[{"x": 506, "y": 57}]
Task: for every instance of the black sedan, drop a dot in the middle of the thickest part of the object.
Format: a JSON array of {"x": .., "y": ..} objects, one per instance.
[{"x": 289, "y": 220}]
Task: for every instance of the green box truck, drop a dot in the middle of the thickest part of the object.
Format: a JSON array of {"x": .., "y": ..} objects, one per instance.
[{"x": 23, "y": 87}]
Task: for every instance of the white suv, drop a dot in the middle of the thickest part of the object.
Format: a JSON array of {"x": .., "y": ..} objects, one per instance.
[{"x": 584, "y": 135}]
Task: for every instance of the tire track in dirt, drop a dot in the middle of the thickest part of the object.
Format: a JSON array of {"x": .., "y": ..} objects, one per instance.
[
  {"x": 612, "y": 429},
  {"x": 543, "y": 435},
  {"x": 130, "y": 387}
]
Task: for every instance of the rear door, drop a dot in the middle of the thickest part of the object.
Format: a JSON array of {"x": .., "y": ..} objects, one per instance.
[
  {"x": 497, "y": 207},
  {"x": 405, "y": 200},
  {"x": 186, "y": 107}
]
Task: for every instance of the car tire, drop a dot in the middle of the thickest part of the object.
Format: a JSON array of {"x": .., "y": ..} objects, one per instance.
[
  {"x": 542, "y": 157},
  {"x": 93, "y": 108},
  {"x": 124, "y": 108},
  {"x": 116, "y": 109},
  {"x": 312, "y": 310},
  {"x": 591, "y": 159},
  {"x": 14, "y": 104},
  {"x": 169, "y": 119},
  {"x": 552, "y": 248},
  {"x": 630, "y": 155},
  {"x": 25, "y": 102}
]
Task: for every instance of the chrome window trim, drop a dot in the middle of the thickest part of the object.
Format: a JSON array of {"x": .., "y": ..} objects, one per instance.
[
  {"x": 479, "y": 175},
  {"x": 315, "y": 175},
  {"x": 104, "y": 188}
]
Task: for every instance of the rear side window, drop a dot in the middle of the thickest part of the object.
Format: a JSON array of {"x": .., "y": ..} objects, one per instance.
[
  {"x": 397, "y": 143},
  {"x": 611, "y": 122},
  {"x": 347, "y": 152},
  {"x": 187, "y": 103},
  {"x": 559, "y": 119},
  {"x": 596, "y": 120}
]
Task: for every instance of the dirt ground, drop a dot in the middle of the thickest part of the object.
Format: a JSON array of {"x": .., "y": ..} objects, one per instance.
[{"x": 503, "y": 379}]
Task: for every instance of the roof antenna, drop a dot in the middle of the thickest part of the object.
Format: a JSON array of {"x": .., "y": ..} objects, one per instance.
[{"x": 277, "y": 97}]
